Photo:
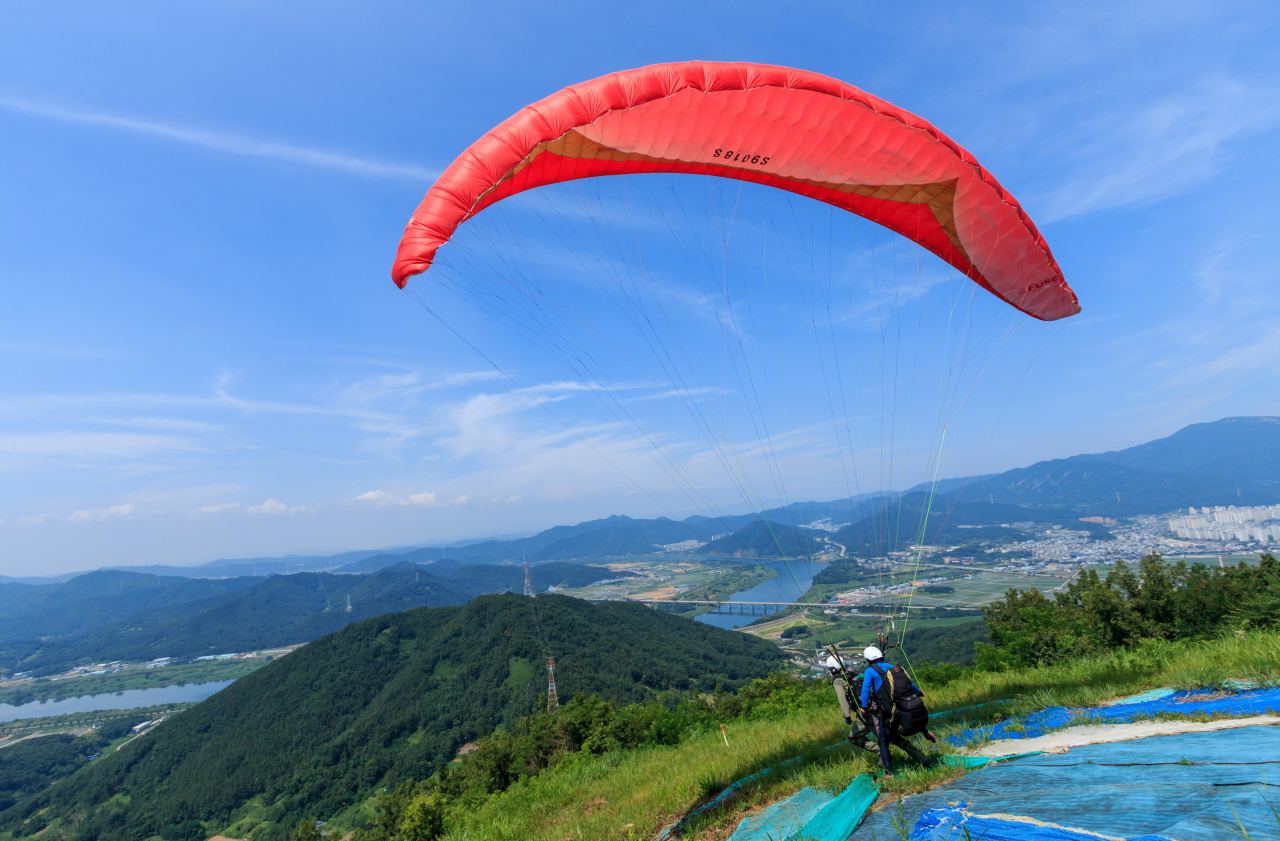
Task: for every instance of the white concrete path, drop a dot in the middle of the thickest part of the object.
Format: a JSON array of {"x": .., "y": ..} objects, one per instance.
[{"x": 1093, "y": 734}]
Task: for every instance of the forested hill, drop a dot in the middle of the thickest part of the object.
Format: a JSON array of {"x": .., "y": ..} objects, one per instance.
[
  {"x": 97, "y": 618},
  {"x": 97, "y": 600},
  {"x": 1233, "y": 461},
  {"x": 921, "y": 517},
  {"x": 761, "y": 539},
  {"x": 379, "y": 701}
]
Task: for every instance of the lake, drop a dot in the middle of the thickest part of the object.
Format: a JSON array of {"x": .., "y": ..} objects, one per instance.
[
  {"x": 126, "y": 699},
  {"x": 792, "y": 582}
]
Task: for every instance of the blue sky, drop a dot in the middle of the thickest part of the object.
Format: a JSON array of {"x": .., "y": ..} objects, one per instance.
[{"x": 204, "y": 356}]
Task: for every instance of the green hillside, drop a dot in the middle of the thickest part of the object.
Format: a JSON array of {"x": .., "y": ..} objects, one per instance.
[
  {"x": 950, "y": 644},
  {"x": 31, "y": 765},
  {"x": 381, "y": 700},
  {"x": 594, "y": 767},
  {"x": 588, "y": 794}
]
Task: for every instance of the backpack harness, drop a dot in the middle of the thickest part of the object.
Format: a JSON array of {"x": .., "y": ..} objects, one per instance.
[{"x": 895, "y": 692}]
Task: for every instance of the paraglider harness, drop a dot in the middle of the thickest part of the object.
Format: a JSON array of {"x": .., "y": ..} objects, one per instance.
[
  {"x": 899, "y": 703},
  {"x": 861, "y": 727}
]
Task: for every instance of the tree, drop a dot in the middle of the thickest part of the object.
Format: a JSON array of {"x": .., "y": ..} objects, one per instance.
[
  {"x": 306, "y": 830},
  {"x": 424, "y": 818},
  {"x": 1158, "y": 600}
]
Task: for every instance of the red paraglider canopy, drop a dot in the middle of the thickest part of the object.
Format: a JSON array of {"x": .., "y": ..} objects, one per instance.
[{"x": 797, "y": 131}]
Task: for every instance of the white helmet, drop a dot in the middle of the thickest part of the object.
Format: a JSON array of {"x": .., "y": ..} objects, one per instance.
[
  {"x": 833, "y": 663},
  {"x": 873, "y": 653}
]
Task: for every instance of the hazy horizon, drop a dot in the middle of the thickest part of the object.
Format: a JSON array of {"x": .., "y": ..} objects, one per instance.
[{"x": 206, "y": 357}]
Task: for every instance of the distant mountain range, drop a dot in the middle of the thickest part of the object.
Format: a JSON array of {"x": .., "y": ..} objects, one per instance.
[
  {"x": 1235, "y": 461},
  {"x": 112, "y": 615}
]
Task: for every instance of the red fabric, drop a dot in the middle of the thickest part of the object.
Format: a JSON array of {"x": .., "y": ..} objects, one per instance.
[{"x": 798, "y": 131}]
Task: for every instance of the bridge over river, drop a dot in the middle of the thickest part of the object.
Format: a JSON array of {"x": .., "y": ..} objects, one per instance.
[{"x": 741, "y": 605}]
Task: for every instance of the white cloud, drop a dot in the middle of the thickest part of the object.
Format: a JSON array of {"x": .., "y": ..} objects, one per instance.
[
  {"x": 270, "y": 506},
  {"x": 97, "y": 515},
  {"x": 379, "y": 497},
  {"x": 425, "y": 499},
  {"x": 223, "y": 142},
  {"x": 274, "y": 506},
  {"x": 218, "y": 509},
  {"x": 34, "y": 519}
]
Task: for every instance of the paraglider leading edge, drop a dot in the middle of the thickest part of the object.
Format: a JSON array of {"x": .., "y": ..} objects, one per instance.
[{"x": 791, "y": 129}]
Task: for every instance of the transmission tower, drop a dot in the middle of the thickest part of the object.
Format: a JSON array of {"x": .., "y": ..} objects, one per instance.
[
  {"x": 528, "y": 588},
  {"x": 553, "y": 700}
]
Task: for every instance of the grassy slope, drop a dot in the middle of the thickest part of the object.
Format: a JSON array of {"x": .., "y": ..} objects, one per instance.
[{"x": 632, "y": 795}]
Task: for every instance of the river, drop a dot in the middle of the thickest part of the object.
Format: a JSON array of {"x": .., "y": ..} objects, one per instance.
[
  {"x": 792, "y": 582},
  {"x": 126, "y": 699}
]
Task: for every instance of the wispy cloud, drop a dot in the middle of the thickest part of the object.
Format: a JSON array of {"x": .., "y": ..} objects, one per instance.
[
  {"x": 406, "y": 387},
  {"x": 1168, "y": 146},
  {"x": 270, "y": 506},
  {"x": 111, "y": 445},
  {"x": 235, "y": 144},
  {"x": 98, "y": 515},
  {"x": 218, "y": 509},
  {"x": 383, "y": 498}
]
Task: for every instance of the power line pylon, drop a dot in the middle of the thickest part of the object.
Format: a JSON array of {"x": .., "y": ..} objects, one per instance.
[
  {"x": 553, "y": 700},
  {"x": 528, "y": 588}
]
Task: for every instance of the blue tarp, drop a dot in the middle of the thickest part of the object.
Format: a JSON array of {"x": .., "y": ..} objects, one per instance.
[
  {"x": 837, "y": 819},
  {"x": 730, "y": 792},
  {"x": 1257, "y": 702},
  {"x": 1142, "y": 697},
  {"x": 810, "y": 815},
  {"x": 783, "y": 819},
  {"x": 956, "y": 823},
  {"x": 1182, "y": 787}
]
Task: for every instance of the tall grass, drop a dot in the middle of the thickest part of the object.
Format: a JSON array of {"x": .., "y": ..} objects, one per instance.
[
  {"x": 1252, "y": 656},
  {"x": 633, "y": 794}
]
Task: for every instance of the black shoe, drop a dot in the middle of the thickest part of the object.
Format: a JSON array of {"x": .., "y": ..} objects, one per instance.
[{"x": 931, "y": 737}]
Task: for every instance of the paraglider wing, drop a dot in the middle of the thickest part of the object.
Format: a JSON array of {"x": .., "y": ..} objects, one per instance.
[{"x": 797, "y": 131}]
